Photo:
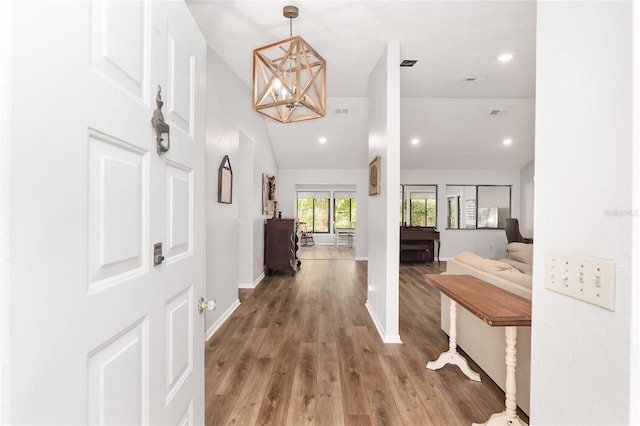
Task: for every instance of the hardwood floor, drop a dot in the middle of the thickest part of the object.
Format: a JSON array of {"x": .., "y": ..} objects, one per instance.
[
  {"x": 326, "y": 252},
  {"x": 303, "y": 350}
]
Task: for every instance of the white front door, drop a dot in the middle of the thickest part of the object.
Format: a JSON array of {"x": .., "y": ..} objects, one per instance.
[{"x": 99, "y": 335}]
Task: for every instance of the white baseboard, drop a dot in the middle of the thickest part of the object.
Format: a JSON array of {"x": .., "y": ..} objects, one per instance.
[
  {"x": 225, "y": 316},
  {"x": 253, "y": 284},
  {"x": 391, "y": 338}
]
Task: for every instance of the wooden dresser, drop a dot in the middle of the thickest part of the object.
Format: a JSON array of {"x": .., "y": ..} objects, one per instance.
[{"x": 281, "y": 246}]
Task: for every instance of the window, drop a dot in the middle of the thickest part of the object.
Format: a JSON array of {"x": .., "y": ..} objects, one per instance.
[
  {"x": 418, "y": 205},
  {"x": 344, "y": 210},
  {"x": 478, "y": 206},
  {"x": 313, "y": 210}
]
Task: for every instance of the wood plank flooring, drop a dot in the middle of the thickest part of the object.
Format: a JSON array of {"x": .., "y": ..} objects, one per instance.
[{"x": 303, "y": 350}]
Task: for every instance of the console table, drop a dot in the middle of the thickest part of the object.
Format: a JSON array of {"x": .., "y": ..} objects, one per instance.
[{"x": 497, "y": 308}]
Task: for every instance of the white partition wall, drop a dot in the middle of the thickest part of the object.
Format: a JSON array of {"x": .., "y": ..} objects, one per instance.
[
  {"x": 384, "y": 219},
  {"x": 580, "y": 352},
  {"x": 233, "y": 129}
]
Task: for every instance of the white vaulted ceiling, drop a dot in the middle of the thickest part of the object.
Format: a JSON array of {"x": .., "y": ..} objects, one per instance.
[{"x": 452, "y": 41}]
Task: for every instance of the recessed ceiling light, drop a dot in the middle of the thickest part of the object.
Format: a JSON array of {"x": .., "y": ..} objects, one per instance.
[
  {"x": 415, "y": 141},
  {"x": 505, "y": 57},
  {"x": 322, "y": 140},
  {"x": 507, "y": 141}
]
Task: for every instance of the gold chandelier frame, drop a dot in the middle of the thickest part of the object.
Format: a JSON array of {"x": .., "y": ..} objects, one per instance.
[{"x": 289, "y": 81}]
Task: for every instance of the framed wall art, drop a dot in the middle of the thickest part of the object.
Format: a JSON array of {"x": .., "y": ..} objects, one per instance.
[
  {"x": 374, "y": 176},
  {"x": 268, "y": 194},
  {"x": 225, "y": 181}
]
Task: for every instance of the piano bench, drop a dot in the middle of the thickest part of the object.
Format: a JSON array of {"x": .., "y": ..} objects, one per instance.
[{"x": 414, "y": 253}]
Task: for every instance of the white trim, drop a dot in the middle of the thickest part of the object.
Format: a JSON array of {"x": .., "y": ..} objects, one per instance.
[
  {"x": 634, "y": 373},
  {"x": 6, "y": 52},
  {"x": 225, "y": 316},
  {"x": 392, "y": 338},
  {"x": 252, "y": 285},
  {"x": 366, "y": 259}
]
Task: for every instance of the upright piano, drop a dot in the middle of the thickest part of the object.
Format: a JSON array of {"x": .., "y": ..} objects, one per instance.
[{"x": 417, "y": 244}]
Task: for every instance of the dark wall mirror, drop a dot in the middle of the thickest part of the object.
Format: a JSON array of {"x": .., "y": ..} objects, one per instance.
[
  {"x": 419, "y": 205},
  {"x": 478, "y": 206}
]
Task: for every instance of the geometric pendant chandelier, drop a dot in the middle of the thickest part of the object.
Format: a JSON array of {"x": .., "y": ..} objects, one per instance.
[{"x": 289, "y": 78}]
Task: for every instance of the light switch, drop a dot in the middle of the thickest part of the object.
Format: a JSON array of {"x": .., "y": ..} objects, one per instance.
[{"x": 589, "y": 279}]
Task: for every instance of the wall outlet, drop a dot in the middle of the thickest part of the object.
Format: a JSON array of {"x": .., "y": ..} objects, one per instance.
[
  {"x": 371, "y": 287},
  {"x": 590, "y": 279}
]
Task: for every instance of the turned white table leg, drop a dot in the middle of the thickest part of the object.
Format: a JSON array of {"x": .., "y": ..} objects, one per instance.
[
  {"x": 452, "y": 356},
  {"x": 511, "y": 334},
  {"x": 508, "y": 416}
]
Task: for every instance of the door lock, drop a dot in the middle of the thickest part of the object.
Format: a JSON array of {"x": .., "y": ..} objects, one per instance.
[
  {"x": 209, "y": 305},
  {"x": 158, "y": 258}
]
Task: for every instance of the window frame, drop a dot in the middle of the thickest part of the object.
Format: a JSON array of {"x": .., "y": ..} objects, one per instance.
[
  {"x": 312, "y": 227},
  {"x": 351, "y": 210}
]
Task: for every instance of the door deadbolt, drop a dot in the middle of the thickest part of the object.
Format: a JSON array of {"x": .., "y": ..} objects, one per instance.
[{"x": 158, "y": 258}]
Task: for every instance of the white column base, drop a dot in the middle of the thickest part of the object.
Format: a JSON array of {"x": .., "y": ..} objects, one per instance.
[
  {"x": 455, "y": 359},
  {"x": 501, "y": 419}
]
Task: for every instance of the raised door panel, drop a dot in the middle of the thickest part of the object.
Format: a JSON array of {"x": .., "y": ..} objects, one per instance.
[
  {"x": 117, "y": 206},
  {"x": 179, "y": 342},
  {"x": 179, "y": 211},
  {"x": 120, "y": 43},
  {"x": 117, "y": 379},
  {"x": 181, "y": 73}
]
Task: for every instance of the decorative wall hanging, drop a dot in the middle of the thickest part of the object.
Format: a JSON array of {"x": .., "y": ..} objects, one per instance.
[
  {"x": 160, "y": 127},
  {"x": 225, "y": 181},
  {"x": 374, "y": 176},
  {"x": 268, "y": 194},
  {"x": 289, "y": 78}
]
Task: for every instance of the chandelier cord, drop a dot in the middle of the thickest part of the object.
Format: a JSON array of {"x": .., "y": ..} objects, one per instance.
[{"x": 290, "y": 27}]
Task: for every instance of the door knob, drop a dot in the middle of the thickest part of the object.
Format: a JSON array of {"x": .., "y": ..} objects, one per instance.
[{"x": 209, "y": 305}]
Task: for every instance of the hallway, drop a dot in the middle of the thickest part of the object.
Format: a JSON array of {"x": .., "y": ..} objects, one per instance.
[{"x": 303, "y": 349}]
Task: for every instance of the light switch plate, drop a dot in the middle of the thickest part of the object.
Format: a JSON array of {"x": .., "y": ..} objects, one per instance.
[{"x": 590, "y": 279}]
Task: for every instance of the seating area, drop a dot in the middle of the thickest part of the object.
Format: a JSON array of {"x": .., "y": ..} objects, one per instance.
[{"x": 512, "y": 229}]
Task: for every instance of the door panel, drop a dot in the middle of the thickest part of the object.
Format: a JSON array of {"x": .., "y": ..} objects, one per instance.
[
  {"x": 120, "y": 43},
  {"x": 179, "y": 362},
  {"x": 118, "y": 211},
  {"x": 117, "y": 377},
  {"x": 181, "y": 69},
  {"x": 94, "y": 325},
  {"x": 179, "y": 207}
]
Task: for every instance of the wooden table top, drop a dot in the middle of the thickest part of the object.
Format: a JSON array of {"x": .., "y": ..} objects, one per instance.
[{"x": 493, "y": 305}]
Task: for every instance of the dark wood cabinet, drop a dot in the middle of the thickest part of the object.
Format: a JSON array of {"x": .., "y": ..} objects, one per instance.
[{"x": 281, "y": 246}]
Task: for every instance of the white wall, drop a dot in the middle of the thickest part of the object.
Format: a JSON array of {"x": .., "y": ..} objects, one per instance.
[
  {"x": 581, "y": 353},
  {"x": 6, "y": 65},
  {"x": 243, "y": 194},
  {"x": 526, "y": 200},
  {"x": 231, "y": 119},
  {"x": 384, "y": 215},
  {"x": 634, "y": 374},
  {"x": 484, "y": 242},
  {"x": 289, "y": 178}
]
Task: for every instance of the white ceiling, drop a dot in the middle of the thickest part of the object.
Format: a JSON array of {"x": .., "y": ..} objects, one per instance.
[{"x": 452, "y": 40}]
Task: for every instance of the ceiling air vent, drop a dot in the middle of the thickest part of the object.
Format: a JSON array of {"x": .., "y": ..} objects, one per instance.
[
  {"x": 408, "y": 62},
  {"x": 342, "y": 110},
  {"x": 498, "y": 112}
]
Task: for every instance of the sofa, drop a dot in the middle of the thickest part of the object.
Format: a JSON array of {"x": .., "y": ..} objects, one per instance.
[{"x": 485, "y": 344}]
